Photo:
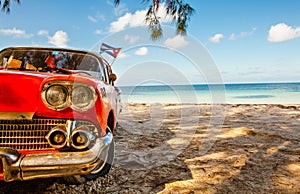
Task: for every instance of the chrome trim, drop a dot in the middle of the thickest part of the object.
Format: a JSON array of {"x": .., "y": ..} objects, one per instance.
[
  {"x": 64, "y": 105},
  {"x": 108, "y": 138},
  {"x": 60, "y": 128},
  {"x": 11, "y": 155},
  {"x": 65, "y": 84},
  {"x": 16, "y": 115},
  {"x": 27, "y": 134},
  {"x": 46, "y": 165},
  {"x": 90, "y": 137},
  {"x": 32, "y": 134},
  {"x": 92, "y": 101}
]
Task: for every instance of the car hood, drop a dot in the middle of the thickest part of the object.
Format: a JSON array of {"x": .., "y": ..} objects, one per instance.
[{"x": 20, "y": 90}]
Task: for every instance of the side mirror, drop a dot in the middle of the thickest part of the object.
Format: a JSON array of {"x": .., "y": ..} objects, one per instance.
[{"x": 112, "y": 77}]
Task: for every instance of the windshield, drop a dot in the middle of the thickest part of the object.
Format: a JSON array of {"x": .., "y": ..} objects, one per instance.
[{"x": 47, "y": 60}]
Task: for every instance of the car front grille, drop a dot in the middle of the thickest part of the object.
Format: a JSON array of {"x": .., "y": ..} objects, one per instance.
[{"x": 27, "y": 134}]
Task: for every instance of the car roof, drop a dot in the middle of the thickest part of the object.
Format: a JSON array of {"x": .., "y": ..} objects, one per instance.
[{"x": 55, "y": 49}]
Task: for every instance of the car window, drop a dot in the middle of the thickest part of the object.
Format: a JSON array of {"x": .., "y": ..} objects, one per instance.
[
  {"x": 45, "y": 59},
  {"x": 89, "y": 65}
]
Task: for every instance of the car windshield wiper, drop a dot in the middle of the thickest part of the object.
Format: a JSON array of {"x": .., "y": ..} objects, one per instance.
[{"x": 59, "y": 70}]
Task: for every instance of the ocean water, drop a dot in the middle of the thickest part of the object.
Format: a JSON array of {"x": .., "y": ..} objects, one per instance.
[{"x": 254, "y": 93}]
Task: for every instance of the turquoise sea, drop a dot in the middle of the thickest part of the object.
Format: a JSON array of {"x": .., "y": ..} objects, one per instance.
[{"x": 252, "y": 93}]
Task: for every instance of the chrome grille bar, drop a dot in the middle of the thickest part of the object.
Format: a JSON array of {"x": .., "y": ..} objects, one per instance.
[{"x": 27, "y": 134}]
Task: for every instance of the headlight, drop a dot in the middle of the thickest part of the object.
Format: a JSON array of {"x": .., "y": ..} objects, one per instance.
[
  {"x": 56, "y": 96},
  {"x": 59, "y": 95},
  {"x": 57, "y": 137},
  {"x": 82, "y": 138},
  {"x": 83, "y": 97}
]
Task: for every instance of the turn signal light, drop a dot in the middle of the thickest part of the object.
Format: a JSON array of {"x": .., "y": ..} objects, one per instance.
[
  {"x": 82, "y": 138},
  {"x": 57, "y": 137}
]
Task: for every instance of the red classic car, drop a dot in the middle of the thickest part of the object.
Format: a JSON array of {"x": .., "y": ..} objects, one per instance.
[{"x": 58, "y": 110}]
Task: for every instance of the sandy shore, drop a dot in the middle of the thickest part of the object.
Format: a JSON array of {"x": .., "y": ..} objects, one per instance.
[
  {"x": 216, "y": 149},
  {"x": 196, "y": 149}
]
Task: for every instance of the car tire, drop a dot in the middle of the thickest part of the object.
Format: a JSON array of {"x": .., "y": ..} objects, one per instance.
[{"x": 79, "y": 179}]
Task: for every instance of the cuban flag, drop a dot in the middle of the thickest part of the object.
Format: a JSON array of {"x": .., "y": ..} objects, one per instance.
[{"x": 112, "y": 51}]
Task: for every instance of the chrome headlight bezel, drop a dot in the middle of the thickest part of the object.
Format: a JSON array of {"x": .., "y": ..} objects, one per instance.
[
  {"x": 69, "y": 88},
  {"x": 57, "y": 130},
  {"x": 84, "y": 91},
  {"x": 46, "y": 96},
  {"x": 84, "y": 134}
]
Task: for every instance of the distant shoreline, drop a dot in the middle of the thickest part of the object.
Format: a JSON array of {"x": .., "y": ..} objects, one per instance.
[
  {"x": 250, "y": 93},
  {"x": 212, "y": 84}
]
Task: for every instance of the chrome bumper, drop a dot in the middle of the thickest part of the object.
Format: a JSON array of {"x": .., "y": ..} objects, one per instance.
[{"x": 26, "y": 167}]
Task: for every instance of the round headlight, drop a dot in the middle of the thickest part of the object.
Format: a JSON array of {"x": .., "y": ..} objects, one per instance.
[
  {"x": 82, "y": 98},
  {"x": 57, "y": 137},
  {"x": 56, "y": 96},
  {"x": 81, "y": 138}
]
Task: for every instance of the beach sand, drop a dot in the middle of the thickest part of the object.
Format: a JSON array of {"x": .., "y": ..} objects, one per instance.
[
  {"x": 175, "y": 148},
  {"x": 220, "y": 148}
]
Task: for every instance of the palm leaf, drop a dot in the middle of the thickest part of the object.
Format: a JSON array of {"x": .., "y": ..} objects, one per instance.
[{"x": 6, "y": 5}]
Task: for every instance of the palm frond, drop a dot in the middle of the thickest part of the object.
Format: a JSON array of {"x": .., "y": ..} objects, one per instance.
[
  {"x": 117, "y": 2},
  {"x": 5, "y": 7}
]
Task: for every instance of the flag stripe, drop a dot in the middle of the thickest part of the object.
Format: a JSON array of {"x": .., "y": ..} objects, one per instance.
[{"x": 112, "y": 51}]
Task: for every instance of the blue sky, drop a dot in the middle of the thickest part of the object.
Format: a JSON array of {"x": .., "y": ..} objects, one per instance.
[{"x": 248, "y": 40}]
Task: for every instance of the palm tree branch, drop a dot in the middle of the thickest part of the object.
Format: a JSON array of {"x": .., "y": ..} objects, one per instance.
[{"x": 6, "y": 5}]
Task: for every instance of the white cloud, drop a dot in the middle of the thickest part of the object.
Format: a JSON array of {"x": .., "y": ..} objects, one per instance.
[
  {"x": 98, "y": 31},
  {"x": 122, "y": 55},
  {"x": 282, "y": 32},
  {"x": 141, "y": 51},
  {"x": 59, "y": 39},
  {"x": 162, "y": 14},
  {"x": 131, "y": 39},
  {"x": 234, "y": 36},
  {"x": 120, "y": 9},
  {"x": 92, "y": 19},
  {"x": 108, "y": 2},
  {"x": 42, "y": 33},
  {"x": 96, "y": 18},
  {"x": 137, "y": 19},
  {"x": 121, "y": 23},
  {"x": 176, "y": 42},
  {"x": 100, "y": 17},
  {"x": 16, "y": 33},
  {"x": 216, "y": 38}
]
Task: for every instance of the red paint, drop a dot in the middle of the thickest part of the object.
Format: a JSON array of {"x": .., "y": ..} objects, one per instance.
[{"x": 20, "y": 91}]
